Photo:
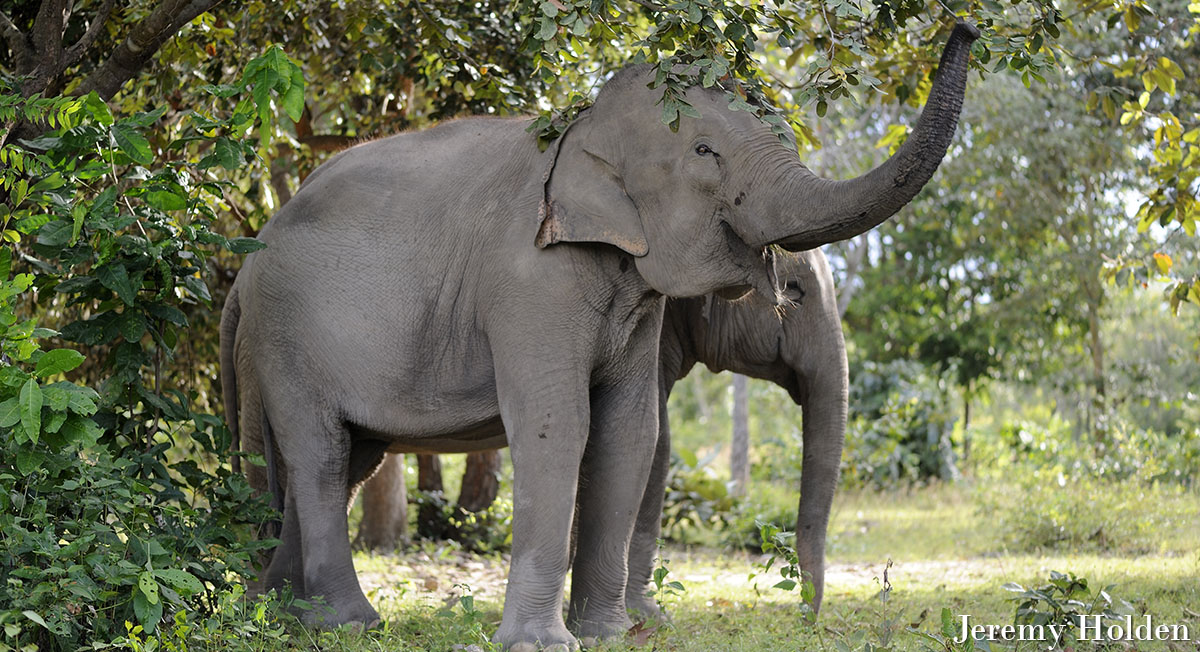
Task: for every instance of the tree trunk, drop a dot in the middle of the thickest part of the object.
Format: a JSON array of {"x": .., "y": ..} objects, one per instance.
[
  {"x": 739, "y": 453},
  {"x": 385, "y": 508},
  {"x": 966, "y": 423},
  {"x": 480, "y": 482},
  {"x": 431, "y": 522},
  {"x": 854, "y": 260},
  {"x": 701, "y": 400},
  {"x": 1096, "y": 348}
]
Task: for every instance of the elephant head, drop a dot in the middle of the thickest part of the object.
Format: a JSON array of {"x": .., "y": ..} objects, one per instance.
[
  {"x": 799, "y": 347},
  {"x": 698, "y": 208}
]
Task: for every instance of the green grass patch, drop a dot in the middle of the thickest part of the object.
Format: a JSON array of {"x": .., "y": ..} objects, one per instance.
[{"x": 946, "y": 553}]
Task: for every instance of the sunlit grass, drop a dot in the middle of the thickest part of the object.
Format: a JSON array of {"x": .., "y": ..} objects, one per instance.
[{"x": 944, "y": 553}]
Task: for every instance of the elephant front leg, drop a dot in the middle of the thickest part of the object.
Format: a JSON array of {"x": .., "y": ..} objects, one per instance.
[
  {"x": 613, "y": 482},
  {"x": 643, "y": 546},
  {"x": 547, "y": 425}
]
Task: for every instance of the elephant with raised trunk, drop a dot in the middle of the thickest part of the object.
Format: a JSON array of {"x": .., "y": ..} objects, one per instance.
[
  {"x": 797, "y": 346},
  {"x": 435, "y": 290}
]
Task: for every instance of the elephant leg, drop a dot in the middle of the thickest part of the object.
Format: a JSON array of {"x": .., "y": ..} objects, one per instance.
[
  {"x": 385, "y": 507},
  {"x": 643, "y": 547},
  {"x": 613, "y": 482},
  {"x": 286, "y": 567},
  {"x": 317, "y": 452},
  {"x": 546, "y": 421}
]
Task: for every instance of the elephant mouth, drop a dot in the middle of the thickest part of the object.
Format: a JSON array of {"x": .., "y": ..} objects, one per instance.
[{"x": 759, "y": 268}]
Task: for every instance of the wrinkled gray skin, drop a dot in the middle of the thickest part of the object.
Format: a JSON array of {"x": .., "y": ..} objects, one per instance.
[
  {"x": 798, "y": 346},
  {"x": 800, "y": 349},
  {"x": 431, "y": 291}
]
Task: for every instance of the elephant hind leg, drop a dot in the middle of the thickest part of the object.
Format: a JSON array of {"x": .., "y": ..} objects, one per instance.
[
  {"x": 613, "y": 482},
  {"x": 643, "y": 546},
  {"x": 318, "y": 453},
  {"x": 286, "y": 566}
]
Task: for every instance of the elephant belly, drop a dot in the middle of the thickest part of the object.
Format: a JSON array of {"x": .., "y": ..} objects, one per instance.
[{"x": 479, "y": 436}]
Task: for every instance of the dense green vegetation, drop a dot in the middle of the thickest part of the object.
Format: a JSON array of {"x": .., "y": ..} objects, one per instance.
[{"x": 1023, "y": 338}]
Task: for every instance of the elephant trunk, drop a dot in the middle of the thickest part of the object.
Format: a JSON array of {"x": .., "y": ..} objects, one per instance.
[
  {"x": 825, "y": 408},
  {"x": 837, "y": 210}
]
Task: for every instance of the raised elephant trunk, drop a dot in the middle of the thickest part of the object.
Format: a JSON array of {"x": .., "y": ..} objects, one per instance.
[{"x": 837, "y": 210}]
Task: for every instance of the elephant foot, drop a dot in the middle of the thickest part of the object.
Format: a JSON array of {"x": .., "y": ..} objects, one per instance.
[
  {"x": 643, "y": 608},
  {"x": 359, "y": 617},
  {"x": 592, "y": 632},
  {"x": 533, "y": 638}
]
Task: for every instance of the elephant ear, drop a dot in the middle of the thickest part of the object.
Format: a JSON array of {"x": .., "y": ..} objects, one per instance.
[{"x": 585, "y": 199}]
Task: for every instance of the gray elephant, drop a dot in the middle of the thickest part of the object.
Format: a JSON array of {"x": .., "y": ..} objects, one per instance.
[
  {"x": 432, "y": 291},
  {"x": 798, "y": 346}
]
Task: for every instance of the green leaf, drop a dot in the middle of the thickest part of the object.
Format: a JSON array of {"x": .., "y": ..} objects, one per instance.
[
  {"x": 547, "y": 29},
  {"x": 293, "y": 98},
  {"x": 948, "y": 628},
  {"x": 54, "y": 421},
  {"x": 98, "y": 109},
  {"x": 133, "y": 144},
  {"x": 226, "y": 153},
  {"x": 786, "y": 585},
  {"x": 10, "y": 413},
  {"x": 114, "y": 277},
  {"x": 165, "y": 200},
  {"x": 81, "y": 431},
  {"x": 31, "y": 409},
  {"x": 58, "y": 361},
  {"x": 29, "y": 460},
  {"x": 180, "y": 580},
  {"x": 148, "y": 613},
  {"x": 55, "y": 234},
  {"x": 132, "y": 325},
  {"x": 5, "y": 263},
  {"x": 245, "y": 245},
  {"x": 66, "y": 395},
  {"x": 168, "y": 313},
  {"x": 197, "y": 287},
  {"x": 148, "y": 586},
  {"x": 670, "y": 112},
  {"x": 808, "y": 592},
  {"x": 33, "y": 615}
]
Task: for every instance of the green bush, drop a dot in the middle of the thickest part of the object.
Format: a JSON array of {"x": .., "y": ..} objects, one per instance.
[
  {"x": 1045, "y": 509},
  {"x": 900, "y": 426},
  {"x": 697, "y": 497},
  {"x": 116, "y": 502},
  {"x": 1126, "y": 452},
  {"x": 1061, "y": 601}
]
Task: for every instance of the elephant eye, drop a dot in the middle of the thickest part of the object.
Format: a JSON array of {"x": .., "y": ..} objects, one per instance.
[{"x": 704, "y": 150}]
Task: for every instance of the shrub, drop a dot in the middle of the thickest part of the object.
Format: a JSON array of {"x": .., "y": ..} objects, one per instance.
[
  {"x": 115, "y": 501},
  {"x": 697, "y": 497},
  {"x": 900, "y": 426},
  {"x": 1061, "y": 601},
  {"x": 1045, "y": 509}
]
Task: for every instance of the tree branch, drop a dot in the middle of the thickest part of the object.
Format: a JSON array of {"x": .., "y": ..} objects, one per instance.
[
  {"x": 48, "y": 34},
  {"x": 167, "y": 18},
  {"x": 650, "y": 5},
  {"x": 16, "y": 40},
  {"x": 327, "y": 142},
  {"x": 76, "y": 52}
]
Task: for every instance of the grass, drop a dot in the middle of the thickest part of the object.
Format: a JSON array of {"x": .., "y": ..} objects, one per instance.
[{"x": 945, "y": 553}]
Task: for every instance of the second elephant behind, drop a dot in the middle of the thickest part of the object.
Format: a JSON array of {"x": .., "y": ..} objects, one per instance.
[{"x": 801, "y": 350}]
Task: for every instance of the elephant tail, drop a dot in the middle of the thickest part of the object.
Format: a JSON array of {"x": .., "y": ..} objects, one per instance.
[
  {"x": 273, "y": 485},
  {"x": 231, "y": 315}
]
